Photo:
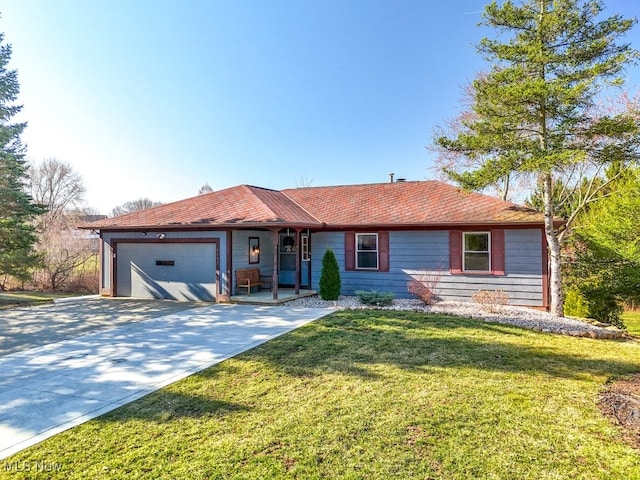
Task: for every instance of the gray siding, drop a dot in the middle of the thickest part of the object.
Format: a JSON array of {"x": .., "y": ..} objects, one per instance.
[
  {"x": 416, "y": 254},
  {"x": 424, "y": 254},
  {"x": 240, "y": 253},
  {"x": 105, "y": 264},
  {"x": 240, "y": 249},
  {"x": 523, "y": 272},
  {"x": 107, "y": 254}
]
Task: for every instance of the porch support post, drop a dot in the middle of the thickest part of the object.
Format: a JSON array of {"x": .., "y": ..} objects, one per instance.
[
  {"x": 227, "y": 285},
  {"x": 113, "y": 270},
  {"x": 298, "y": 248},
  {"x": 274, "y": 280}
]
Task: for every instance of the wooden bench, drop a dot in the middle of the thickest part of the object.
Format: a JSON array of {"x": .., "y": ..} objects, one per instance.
[{"x": 250, "y": 277}]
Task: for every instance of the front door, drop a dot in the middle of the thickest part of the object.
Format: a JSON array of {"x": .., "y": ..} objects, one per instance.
[{"x": 287, "y": 247}]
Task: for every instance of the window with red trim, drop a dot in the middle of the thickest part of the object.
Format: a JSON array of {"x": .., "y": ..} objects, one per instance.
[
  {"x": 476, "y": 252},
  {"x": 366, "y": 251}
]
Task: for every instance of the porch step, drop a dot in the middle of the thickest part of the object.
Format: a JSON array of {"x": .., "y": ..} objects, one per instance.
[{"x": 266, "y": 297}]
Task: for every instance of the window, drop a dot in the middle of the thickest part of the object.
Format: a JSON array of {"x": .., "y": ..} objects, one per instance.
[
  {"x": 476, "y": 248},
  {"x": 367, "y": 250},
  {"x": 475, "y": 252},
  {"x": 304, "y": 245}
]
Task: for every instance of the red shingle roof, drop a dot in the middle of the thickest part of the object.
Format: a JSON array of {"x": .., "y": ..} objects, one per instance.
[
  {"x": 428, "y": 203},
  {"x": 406, "y": 203},
  {"x": 239, "y": 205}
]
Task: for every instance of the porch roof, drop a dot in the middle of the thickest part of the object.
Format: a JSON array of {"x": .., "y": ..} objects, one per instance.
[{"x": 243, "y": 205}]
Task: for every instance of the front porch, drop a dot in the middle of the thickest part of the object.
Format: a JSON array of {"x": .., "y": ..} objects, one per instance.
[{"x": 265, "y": 297}]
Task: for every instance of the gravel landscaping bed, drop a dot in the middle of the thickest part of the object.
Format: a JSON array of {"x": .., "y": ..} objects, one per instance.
[{"x": 506, "y": 314}]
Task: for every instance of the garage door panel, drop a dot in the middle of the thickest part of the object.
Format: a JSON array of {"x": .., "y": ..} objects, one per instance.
[{"x": 181, "y": 271}]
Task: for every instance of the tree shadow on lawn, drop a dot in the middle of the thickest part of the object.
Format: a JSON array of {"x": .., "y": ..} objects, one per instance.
[
  {"x": 164, "y": 406},
  {"x": 351, "y": 342}
]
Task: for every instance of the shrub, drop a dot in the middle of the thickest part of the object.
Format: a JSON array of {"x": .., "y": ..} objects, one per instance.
[
  {"x": 373, "y": 297},
  {"x": 605, "y": 307},
  {"x": 330, "y": 284},
  {"x": 594, "y": 298},
  {"x": 491, "y": 300},
  {"x": 422, "y": 291},
  {"x": 575, "y": 305},
  {"x": 424, "y": 285},
  {"x": 84, "y": 281}
]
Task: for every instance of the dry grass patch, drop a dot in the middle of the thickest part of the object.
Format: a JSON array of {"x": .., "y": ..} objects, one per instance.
[{"x": 23, "y": 299}]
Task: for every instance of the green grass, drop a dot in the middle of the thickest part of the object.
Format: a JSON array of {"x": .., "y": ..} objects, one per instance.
[
  {"x": 16, "y": 299},
  {"x": 631, "y": 320},
  {"x": 370, "y": 394}
]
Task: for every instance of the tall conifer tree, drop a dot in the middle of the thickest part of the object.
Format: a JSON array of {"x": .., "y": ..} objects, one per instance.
[
  {"x": 17, "y": 210},
  {"x": 533, "y": 111}
]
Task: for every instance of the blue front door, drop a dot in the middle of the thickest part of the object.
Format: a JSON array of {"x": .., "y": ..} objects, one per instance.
[
  {"x": 287, "y": 248},
  {"x": 288, "y": 245}
]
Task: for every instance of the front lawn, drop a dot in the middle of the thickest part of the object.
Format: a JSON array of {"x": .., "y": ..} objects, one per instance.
[
  {"x": 22, "y": 299},
  {"x": 631, "y": 320},
  {"x": 369, "y": 394}
]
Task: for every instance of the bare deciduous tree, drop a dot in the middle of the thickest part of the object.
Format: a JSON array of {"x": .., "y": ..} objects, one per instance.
[
  {"x": 206, "y": 188},
  {"x": 304, "y": 182},
  {"x": 65, "y": 251},
  {"x": 55, "y": 185},
  {"x": 134, "y": 206}
]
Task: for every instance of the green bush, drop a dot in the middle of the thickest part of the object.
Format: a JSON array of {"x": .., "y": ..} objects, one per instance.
[
  {"x": 373, "y": 297},
  {"x": 605, "y": 307},
  {"x": 330, "y": 284},
  {"x": 575, "y": 305},
  {"x": 594, "y": 300}
]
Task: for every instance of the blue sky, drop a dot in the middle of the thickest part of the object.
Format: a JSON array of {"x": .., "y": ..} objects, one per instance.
[{"x": 153, "y": 98}]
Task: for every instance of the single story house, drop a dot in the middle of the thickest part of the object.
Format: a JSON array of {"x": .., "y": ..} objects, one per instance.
[{"x": 383, "y": 235}]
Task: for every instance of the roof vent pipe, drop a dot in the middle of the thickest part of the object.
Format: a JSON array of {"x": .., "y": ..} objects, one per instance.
[{"x": 391, "y": 177}]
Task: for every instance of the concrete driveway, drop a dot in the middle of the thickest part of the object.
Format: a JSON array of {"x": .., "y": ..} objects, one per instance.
[
  {"x": 27, "y": 327},
  {"x": 67, "y": 363}
]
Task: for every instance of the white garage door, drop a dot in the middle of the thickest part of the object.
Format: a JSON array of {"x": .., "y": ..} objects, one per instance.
[{"x": 177, "y": 271}]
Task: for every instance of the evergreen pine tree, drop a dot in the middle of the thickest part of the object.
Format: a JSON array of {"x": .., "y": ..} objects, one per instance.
[
  {"x": 533, "y": 112},
  {"x": 330, "y": 283},
  {"x": 17, "y": 210}
]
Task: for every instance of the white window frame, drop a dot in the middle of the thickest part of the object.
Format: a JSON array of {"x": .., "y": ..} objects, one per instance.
[
  {"x": 376, "y": 251},
  {"x": 465, "y": 251}
]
